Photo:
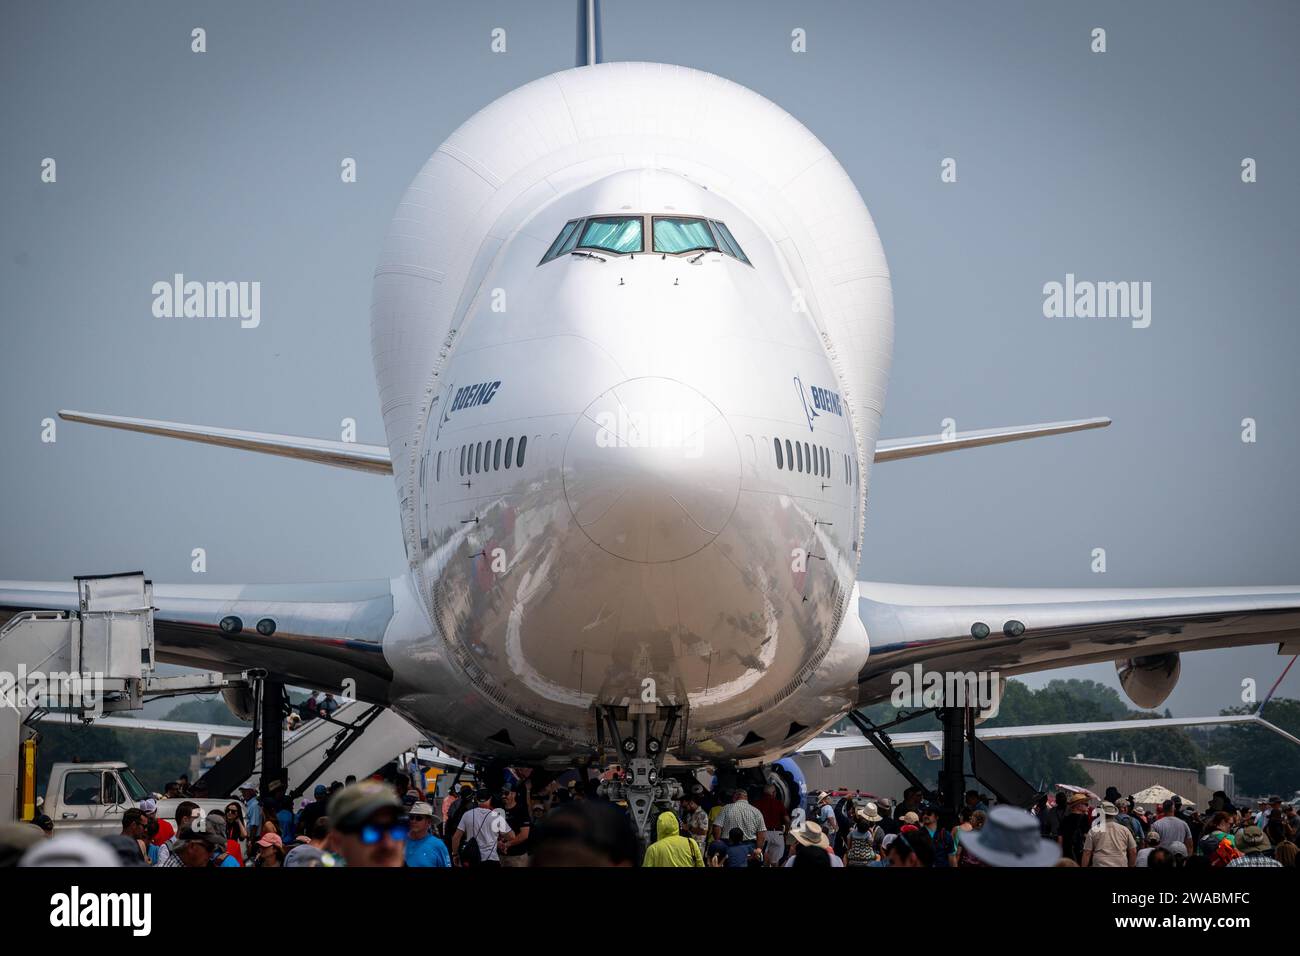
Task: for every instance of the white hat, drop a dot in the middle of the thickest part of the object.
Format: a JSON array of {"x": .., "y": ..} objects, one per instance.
[
  {"x": 70, "y": 849},
  {"x": 1010, "y": 837},
  {"x": 420, "y": 809}
]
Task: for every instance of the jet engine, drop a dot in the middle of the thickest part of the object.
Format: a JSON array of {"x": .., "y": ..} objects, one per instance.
[
  {"x": 241, "y": 700},
  {"x": 1148, "y": 681}
]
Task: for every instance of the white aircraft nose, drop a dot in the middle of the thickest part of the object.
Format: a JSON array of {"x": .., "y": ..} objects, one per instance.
[{"x": 652, "y": 470}]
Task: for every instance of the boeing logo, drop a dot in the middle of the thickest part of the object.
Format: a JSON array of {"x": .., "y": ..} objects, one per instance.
[
  {"x": 469, "y": 396},
  {"x": 822, "y": 400}
]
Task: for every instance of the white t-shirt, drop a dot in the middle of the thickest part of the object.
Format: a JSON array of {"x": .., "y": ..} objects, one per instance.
[{"x": 484, "y": 826}]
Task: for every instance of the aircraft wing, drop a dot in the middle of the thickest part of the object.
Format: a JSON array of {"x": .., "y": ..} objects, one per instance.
[
  {"x": 322, "y": 634},
  {"x": 371, "y": 458},
  {"x": 892, "y": 449},
  {"x": 832, "y": 743},
  {"x": 935, "y": 627}
]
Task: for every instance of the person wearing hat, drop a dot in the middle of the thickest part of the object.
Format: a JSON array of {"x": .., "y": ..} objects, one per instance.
[
  {"x": 1074, "y": 828},
  {"x": 860, "y": 842},
  {"x": 270, "y": 851},
  {"x": 1254, "y": 847},
  {"x": 314, "y": 810},
  {"x": 227, "y": 849},
  {"x": 877, "y": 816},
  {"x": 423, "y": 847},
  {"x": 1110, "y": 844},
  {"x": 824, "y": 813},
  {"x": 1150, "y": 843},
  {"x": 160, "y": 831},
  {"x": 811, "y": 834},
  {"x": 195, "y": 846},
  {"x": 1010, "y": 837},
  {"x": 70, "y": 849},
  {"x": 252, "y": 806},
  {"x": 367, "y": 826},
  {"x": 1267, "y": 814}
]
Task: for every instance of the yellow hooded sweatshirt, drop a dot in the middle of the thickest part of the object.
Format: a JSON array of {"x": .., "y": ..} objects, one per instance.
[{"x": 670, "y": 847}]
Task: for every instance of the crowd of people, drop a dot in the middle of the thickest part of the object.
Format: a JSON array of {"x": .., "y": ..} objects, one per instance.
[
  {"x": 521, "y": 821},
  {"x": 1122, "y": 832}
]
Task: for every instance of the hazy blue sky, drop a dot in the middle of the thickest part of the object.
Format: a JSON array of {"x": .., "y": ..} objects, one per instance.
[{"x": 1116, "y": 166}]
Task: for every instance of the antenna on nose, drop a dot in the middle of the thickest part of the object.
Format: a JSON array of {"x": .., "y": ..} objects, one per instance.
[{"x": 590, "y": 49}]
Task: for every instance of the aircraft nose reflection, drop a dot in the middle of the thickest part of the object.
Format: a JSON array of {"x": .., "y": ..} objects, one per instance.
[{"x": 652, "y": 470}]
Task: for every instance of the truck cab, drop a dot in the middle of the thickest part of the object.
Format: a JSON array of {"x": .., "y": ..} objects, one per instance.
[{"x": 91, "y": 796}]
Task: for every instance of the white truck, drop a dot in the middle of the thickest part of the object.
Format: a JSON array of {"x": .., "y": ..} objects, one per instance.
[{"x": 93, "y": 797}]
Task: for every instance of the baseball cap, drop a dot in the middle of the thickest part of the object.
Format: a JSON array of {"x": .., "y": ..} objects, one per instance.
[
  {"x": 351, "y": 806},
  {"x": 270, "y": 839},
  {"x": 193, "y": 834},
  {"x": 149, "y": 805},
  {"x": 306, "y": 855}
]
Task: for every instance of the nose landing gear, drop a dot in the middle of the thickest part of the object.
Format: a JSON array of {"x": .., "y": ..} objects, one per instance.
[{"x": 641, "y": 732}]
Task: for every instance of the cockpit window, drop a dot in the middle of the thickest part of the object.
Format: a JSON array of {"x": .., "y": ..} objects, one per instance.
[
  {"x": 622, "y": 235},
  {"x": 565, "y": 241},
  {"x": 616, "y": 234},
  {"x": 728, "y": 241},
  {"x": 683, "y": 235},
  {"x": 678, "y": 234}
]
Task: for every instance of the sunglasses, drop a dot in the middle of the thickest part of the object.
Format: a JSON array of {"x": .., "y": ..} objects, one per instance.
[{"x": 370, "y": 835}]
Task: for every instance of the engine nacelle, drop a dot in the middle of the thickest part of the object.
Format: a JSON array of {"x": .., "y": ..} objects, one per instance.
[
  {"x": 240, "y": 700},
  {"x": 1148, "y": 681}
]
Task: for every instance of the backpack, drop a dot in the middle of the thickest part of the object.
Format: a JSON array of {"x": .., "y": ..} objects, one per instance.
[
  {"x": 470, "y": 852},
  {"x": 861, "y": 848}
]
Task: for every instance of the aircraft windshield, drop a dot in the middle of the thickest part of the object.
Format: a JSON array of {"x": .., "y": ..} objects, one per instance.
[
  {"x": 616, "y": 234},
  {"x": 624, "y": 235},
  {"x": 682, "y": 235}
]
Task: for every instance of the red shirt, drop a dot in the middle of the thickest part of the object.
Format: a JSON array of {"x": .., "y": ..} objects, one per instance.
[
  {"x": 165, "y": 832},
  {"x": 773, "y": 811}
]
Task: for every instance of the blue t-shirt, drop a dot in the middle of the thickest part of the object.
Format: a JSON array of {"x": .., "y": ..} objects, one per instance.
[
  {"x": 734, "y": 857},
  {"x": 228, "y": 860},
  {"x": 430, "y": 851}
]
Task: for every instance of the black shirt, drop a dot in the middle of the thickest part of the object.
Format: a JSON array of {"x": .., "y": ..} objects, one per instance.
[
  {"x": 519, "y": 818},
  {"x": 1074, "y": 830}
]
